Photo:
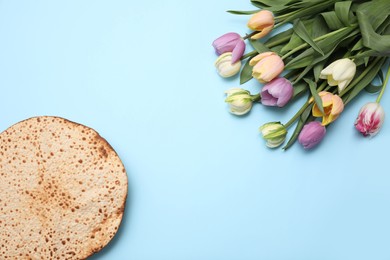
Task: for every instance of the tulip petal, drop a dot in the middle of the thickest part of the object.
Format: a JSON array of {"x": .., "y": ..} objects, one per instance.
[
  {"x": 316, "y": 111},
  {"x": 226, "y": 43},
  {"x": 328, "y": 70},
  {"x": 347, "y": 73},
  {"x": 332, "y": 81},
  {"x": 259, "y": 57},
  {"x": 262, "y": 33},
  {"x": 238, "y": 51},
  {"x": 338, "y": 105}
]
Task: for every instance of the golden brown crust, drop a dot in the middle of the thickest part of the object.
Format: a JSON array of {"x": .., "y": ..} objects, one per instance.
[{"x": 63, "y": 190}]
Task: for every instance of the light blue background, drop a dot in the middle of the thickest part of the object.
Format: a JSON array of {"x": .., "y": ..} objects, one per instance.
[{"x": 202, "y": 184}]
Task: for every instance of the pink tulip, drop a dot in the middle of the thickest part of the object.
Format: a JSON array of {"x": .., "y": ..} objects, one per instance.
[
  {"x": 230, "y": 42},
  {"x": 370, "y": 119},
  {"x": 266, "y": 66},
  {"x": 277, "y": 92},
  {"x": 311, "y": 134}
]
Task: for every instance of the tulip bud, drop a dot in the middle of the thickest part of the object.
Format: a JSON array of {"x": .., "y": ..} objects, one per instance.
[
  {"x": 266, "y": 66},
  {"x": 311, "y": 134},
  {"x": 274, "y": 134},
  {"x": 239, "y": 100},
  {"x": 333, "y": 106},
  {"x": 277, "y": 92},
  {"x": 230, "y": 42},
  {"x": 370, "y": 119},
  {"x": 339, "y": 73},
  {"x": 225, "y": 67},
  {"x": 263, "y": 22}
]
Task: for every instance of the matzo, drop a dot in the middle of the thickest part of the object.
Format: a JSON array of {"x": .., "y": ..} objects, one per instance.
[{"x": 62, "y": 190}]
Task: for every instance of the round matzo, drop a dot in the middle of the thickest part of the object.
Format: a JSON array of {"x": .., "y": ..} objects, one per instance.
[{"x": 62, "y": 190}]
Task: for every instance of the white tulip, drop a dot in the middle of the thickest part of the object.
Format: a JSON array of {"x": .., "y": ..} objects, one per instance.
[
  {"x": 339, "y": 73},
  {"x": 239, "y": 100},
  {"x": 225, "y": 67}
]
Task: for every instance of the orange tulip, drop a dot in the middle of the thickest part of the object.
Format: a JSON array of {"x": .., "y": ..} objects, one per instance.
[
  {"x": 263, "y": 22},
  {"x": 266, "y": 66},
  {"x": 333, "y": 106}
]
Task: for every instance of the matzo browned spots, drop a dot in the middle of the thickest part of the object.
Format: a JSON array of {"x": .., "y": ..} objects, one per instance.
[{"x": 62, "y": 190}]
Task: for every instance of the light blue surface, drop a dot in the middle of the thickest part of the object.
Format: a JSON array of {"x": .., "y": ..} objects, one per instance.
[{"x": 202, "y": 184}]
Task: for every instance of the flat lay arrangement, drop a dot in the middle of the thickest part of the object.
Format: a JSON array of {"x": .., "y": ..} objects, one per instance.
[
  {"x": 333, "y": 51},
  {"x": 136, "y": 130}
]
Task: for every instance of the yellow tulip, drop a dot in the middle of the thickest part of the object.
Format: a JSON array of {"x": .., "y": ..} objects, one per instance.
[{"x": 333, "y": 106}]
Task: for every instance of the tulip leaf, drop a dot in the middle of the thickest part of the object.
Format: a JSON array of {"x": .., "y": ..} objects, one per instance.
[
  {"x": 294, "y": 42},
  {"x": 332, "y": 20},
  {"x": 365, "y": 78},
  {"x": 246, "y": 72},
  {"x": 258, "y": 46},
  {"x": 318, "y": 68},
  {"x": 313, "y": 91},
  {"x": 358, "y": 45},
  {"x": 299, "y": 88},
  {"x": 342, "y": 11},
  {"x": 306, "y": 113},
  {"x": 371, "y": 16},
  {"x": 301, "y": 31},
  {"x": 303, "y": 73},
  {"x": 372, "y": 88},
  {"x": 328, "y": 45},
  {"x": 314, "y": 8},
  {"x": 319, "y": 27},
  {"x": 279, "y": 38},
  {"x": 242, "y": 12},
  {"x": 301, "y": 123}
]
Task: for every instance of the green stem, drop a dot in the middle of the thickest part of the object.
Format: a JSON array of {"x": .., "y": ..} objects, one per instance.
[
  {"x": 304, "y": 45},
  {"x": 276, "y": 43},
  {"x": 249, "y": 54},
  {"x": 384, "y": 86},
  {"x": 249, "y": 35},
  {"x": 297, "y": 115},
  {"x": 256, "y": 98}
]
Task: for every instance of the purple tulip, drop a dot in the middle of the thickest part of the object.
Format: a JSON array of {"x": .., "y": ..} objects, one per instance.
[
  {"x": 311, "y": 134},
  {"x": 277, "y": 92},
  {"x": 230, "y": 42}
]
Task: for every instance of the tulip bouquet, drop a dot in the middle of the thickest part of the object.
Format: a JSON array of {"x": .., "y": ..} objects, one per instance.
[{"x": 330, "y": 49}]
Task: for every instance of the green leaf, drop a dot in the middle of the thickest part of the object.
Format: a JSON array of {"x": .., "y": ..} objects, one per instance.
[
  {"x": 274, "y": 2},
  {"x": 299, "y": 88},
  {"x": 313, "y": 7},
  {"x": 342, "y": 11},
  {"x": 318, "y": 68},
  {"x": 375, "y": 88},
  {"x": 307, "y": 112},
  {"x": 301, "y": 31},
  {"x": 332, "y": 20},
  {"x": 328, "y": 45},
  {"x": 246, "y": 72},
  {"x": 371, "y": 16},
  {"x": 242, "y": 12},
  {"x": 305, "y": 117},
  {"x": 294, "y": 42},
  {"x": 358, "y": 45},
  {"x": 258, "y": 46},
  {"x": 319, "y": 27},
  {"x": 279, "y": 38},
  {"x": 313, "y": 90}
]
